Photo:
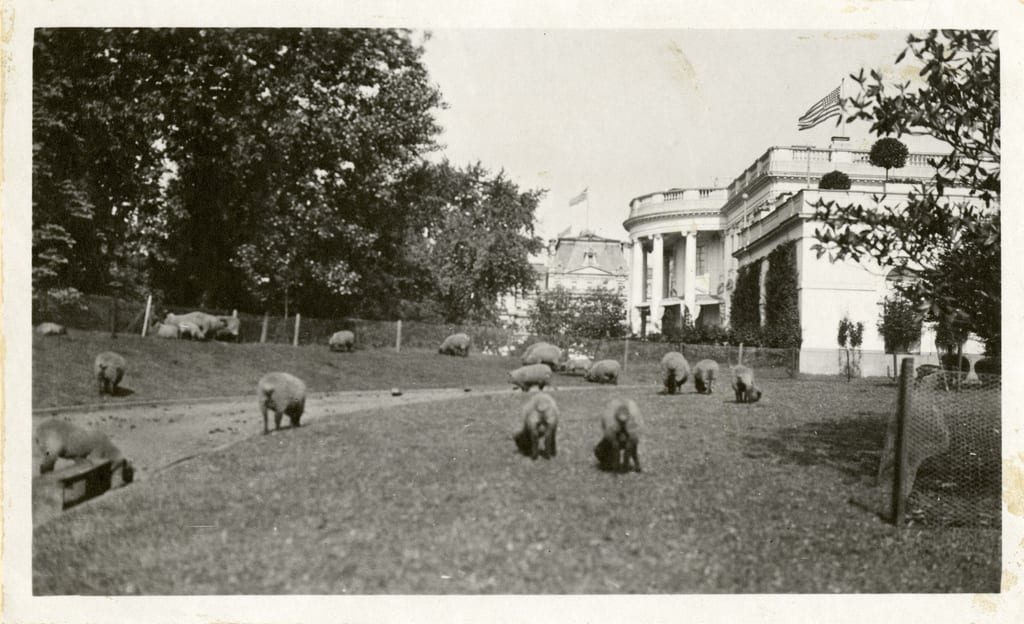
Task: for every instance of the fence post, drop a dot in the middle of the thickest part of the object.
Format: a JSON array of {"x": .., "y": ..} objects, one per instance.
[
  {"x": 398, "y": 336},
  {"x": 145, "y": 321},
  {"x": 740, "y": 362},
  {"x": 234, "y": 313},
  {"x": 298, "y": 319},
  {"x": 903, "y": 411},
  {"x": 625, "y": 354},
  {"x": 113, "y": 319},
  {"x": 266, "y": 322}
]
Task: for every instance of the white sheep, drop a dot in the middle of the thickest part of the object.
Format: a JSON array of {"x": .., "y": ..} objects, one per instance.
[
  {"x": 620, "y": 436},
  {"x": 51, "y": 329},
  {"x": 525, "y": 377},
  {"x": 57, "y": 439},
  {"x": 165, "y": 330},
  {"x": 456, "y": 344},
  {"x": 540, "y": 425},
  {"x": 207, "y": 323},
  {"x": 281, "y": 393},
  {"x": 543, "y": 353},
  {"x": 232, "y": 329},
  {"x": 704, "y": 374},
  {"x": 743, "y": 385},
  {"x": 675, "y": 371},
  {"x": 343, "y": 340},
  {"x": 604, "y": 371},
  {"x": 109, "y": 369},
  {"x": 191, "y": 331},
  {"x": 576, "y": 365}
]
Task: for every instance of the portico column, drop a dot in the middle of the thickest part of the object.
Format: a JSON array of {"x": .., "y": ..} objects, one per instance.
[
  {"x": 690, "y": 285},
  {"x": 657, "y": 282},
  {"x": 636, "y": 284}
]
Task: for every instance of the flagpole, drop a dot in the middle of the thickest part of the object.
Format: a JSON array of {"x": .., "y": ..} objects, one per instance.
[
  {"x": 588, "y": 208},
  {"x": 842, "y": 81}
]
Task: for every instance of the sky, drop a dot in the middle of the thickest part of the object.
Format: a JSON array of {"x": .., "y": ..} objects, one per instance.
[{"x": 626, "y": 112}]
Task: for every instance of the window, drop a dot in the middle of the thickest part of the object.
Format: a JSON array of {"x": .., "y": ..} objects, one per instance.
[{"x": 702, "y": 266}]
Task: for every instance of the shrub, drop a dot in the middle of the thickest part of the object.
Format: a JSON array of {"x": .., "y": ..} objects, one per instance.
[{"x": 835, "y": 180}]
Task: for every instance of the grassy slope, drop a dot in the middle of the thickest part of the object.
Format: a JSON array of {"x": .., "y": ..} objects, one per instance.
[
  {"x": 434, "y": 499},
  {"x": 166, "y": 369}
]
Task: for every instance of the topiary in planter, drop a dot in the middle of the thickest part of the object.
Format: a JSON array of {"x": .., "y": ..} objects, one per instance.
[{"x": 834, "y": 181}]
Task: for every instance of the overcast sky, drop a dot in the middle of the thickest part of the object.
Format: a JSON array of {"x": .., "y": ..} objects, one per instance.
[{"x": 629, "y": 112}]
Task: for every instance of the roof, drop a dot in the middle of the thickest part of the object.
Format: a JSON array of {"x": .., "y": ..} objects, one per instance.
[{"x": 589, "y": 252}]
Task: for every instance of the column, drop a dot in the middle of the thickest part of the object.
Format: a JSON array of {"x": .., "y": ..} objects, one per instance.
[
  {"x": 690, "y": 285},
  {"x": 679, "y": 257},
  {"x": 636, "y": 284},
  {"x": 657, "y": 282}
]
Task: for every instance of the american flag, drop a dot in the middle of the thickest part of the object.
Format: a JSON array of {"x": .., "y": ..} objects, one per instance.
[
  {"x": 579, "y": 199},
  {"x": 826, "y": 107}
]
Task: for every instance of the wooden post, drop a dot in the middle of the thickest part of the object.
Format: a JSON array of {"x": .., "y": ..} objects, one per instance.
[
  {"x": 740, "y": 362},
  {"x": 113, "y": 319},
  {"x": 903, "y": 411},
  {"x": 234, "y": 313},
  {"x": 625, "y": 354},
  {"x": 266, "y": 322},
  {"x": 298, "y": 319},
  {"x": 398, "y": 336},
  {"x": 145, "y": 321}
]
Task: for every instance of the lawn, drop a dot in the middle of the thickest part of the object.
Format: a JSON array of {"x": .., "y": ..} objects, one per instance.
[{"x": 433, "y": 498}]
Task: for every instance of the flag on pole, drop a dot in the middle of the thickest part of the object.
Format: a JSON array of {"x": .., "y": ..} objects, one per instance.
[
  {"x": 579, "y": 199},
  {"x": 826, "y": 107}
]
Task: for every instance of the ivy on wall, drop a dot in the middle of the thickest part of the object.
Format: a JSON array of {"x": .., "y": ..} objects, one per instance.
[
  {"x": 782, "y": 301},
  {"x": 745, "y": 315}
]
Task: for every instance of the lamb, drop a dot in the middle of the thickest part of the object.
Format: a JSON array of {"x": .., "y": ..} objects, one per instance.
[
  {"x": 207, "y": 323},
  {"x": 51, "y": 329},
  {"x": 676, "y": 370},
  {"x": 109, "y": 370},
  {"x": 620, "y": 431},
  {"x": 165, "y": 330},
  {"x": 576, "y": 365},
  {"x": 704, "y": 374},
  {"x": 456, "y": 344},
  {"x": 540, "y": 423},
  {"x": 743, "y": 385},
  {"x": 525, "y": 377},
  {"x": 231, "y": 330},
  {"x": 281, "y": 393},
  {"x": 543, "y": 353},
  {"x": 604, "y": 371},
  {"x": 343, "y": 340},
  {"x": 190, "y": 331},
  {"x": 57, "y": 439}
]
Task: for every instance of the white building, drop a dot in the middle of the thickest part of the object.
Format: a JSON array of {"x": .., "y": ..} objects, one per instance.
[{"x": 693, "y": 241}]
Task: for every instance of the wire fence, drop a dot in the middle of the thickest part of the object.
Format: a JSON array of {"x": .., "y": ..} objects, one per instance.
[{"x": 941, "y": 459}]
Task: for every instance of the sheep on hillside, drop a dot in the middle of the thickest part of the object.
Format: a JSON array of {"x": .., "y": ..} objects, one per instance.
[
  {"x": 343, "y": 340},
  {"x": 576, "y": 365},
  {"x": 604, "y": 371},
  {"x": 620, "y": 436},
  {"x": 109, "y": 370},
  {"x": 166, "y": 330},
  {"x": 456, "y": 344},
  {"x": 743, "y": 385},
  {"x": 281, "y": 393},
  {"x": 704, "y": 374},
  {"x": 51, "y": 329},
  {"x": 543, "y": 353},
  {"x": 531, "y": 375},
  {"x": 675, "y": 371},
  {"x": 57, "y": 439},
  {"x": 190, "y": 331},
  {"x": 207, "y": 323},
  {"x": 232, "y": 329},
  {"x": 540, "y": 424}
]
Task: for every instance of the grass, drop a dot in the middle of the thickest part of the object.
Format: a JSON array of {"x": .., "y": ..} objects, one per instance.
[{"x": 433, "y": 498}]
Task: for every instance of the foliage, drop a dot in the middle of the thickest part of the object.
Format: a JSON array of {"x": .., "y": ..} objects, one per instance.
[
  {"x": 850, "y": 334},
  {"x": 844, "y": 332},
  {"x": 950, "y": 245},
  {"x": 888, "y": 153},
  {"x": 834, "y": 180},
  {"x": 598, "y": 313},
  {"x": 782, "y": 299},
  {"x": 899, "y": 324},
  {"x": 745, "y": 312}
]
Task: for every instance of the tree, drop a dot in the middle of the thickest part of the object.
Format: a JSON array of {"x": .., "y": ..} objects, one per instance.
[
  {"x": 835, "y": 180},
  {"x": 899, "y": 324},
  {"x": 553, "y": 312},
  {"x": 888, "y": 153},
  {"x": 597, "y": 314},
  {"x": 937, "y": 238}
]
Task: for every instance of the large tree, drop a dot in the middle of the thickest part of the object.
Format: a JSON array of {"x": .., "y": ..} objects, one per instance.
[{"x": 950, "y": 244}]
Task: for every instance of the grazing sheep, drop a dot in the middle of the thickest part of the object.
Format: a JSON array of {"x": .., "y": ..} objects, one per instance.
[
  {"x": 190, "y": 331},
  {"x": 456, "y": 344},
  {"x": 576, "y": 365},
  {"x": 540, "y": 423},
  {"x": 281, "y": 393},
  {"x": 743, "y": 384},
  {"x": 207, "y": 323},
  {"x": 57, "y": 439},
  {"x": 109, "y": 370},
  {"x": 543, "y": 353},
  {"x": 675, "y": 370},
  {"x": 525, "y": 377},
  {"x": 232, "y": 329},
  {"x": 165, "y": 330},
  {"x": 929, "y": 437},
  {"x": 604, "y": 371},
  {"x": 620, "y": 429},
  {"x": 704, "y": 374},
  {"x": 343, "y": 340},
  {"x": 51, "y": 329}
]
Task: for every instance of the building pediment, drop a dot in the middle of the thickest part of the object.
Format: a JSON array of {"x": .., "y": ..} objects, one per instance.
[{"x": 591, "y": 271}]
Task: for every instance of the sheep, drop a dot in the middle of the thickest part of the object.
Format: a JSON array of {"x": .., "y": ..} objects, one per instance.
[
  {"x": 57, "y": 439},
  {"x": 540, "y": 423},
  {"x": 343, "y": 340},
  {"x": 704, "y": 374},
  {"x": 930, "y": 437},
  {"x": 543, "y": 353},
  {"x": 531, "y": 375},
  {"x": 190, "y": 331},
  {"x": 620, "y": 436},
  {"x": 231, "y": 330},
  {"x": 109, "y": 370},
  {"x": 603, "y": 371},
  {"x": 165, "y": 330},
  {"x": 207, "y": 323},
  {"x": 743, "y": 385},
  {"x": 281, "y": 393},
  {"x": 576, "y": 365},
  {"x": 51, "y": 329},
  {"x": 676, "y": 370},
  {"x": 456, "y": 344}
]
